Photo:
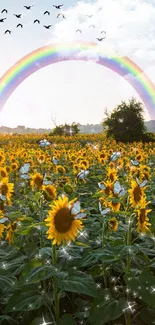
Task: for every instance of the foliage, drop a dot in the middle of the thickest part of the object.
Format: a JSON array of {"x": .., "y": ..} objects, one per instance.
[
  {"x": 66, "y": 130},
  {"x": 126, "y": 122},
  {"x": 106, "y": 276}
]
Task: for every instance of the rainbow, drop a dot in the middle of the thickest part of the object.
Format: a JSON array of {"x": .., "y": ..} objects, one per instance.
[{"x": 54, "y": 53}]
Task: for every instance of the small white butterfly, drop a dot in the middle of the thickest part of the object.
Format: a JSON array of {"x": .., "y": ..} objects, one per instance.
[
  {"x": 101, "y": 186},
  {"x": 83, "y": 174},
  {"x": 3, "y": 220},
  {"x": 118, "y": 189},
  {"x": 143, "y": 184},
  {"x": 76, "y": 208},
  {"x": 24, "y": 176},
  {"x": 25, "y": 168},
  {"x": 105, "y": 211},
  {"x": 2, "y": 197},
  {"x": 44, "y": 143},
  {"x": 80, "y": 216},
  {"x": 55, "y": 161},
  {"x": 135, "y": 162},
  {"x": 115, "y": 156},
  {"x": 45, "y": 181}
]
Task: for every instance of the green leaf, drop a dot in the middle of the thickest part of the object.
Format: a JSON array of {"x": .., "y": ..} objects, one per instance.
[
  {"x": 7, "y": 280},
  {"x": 143, "y": 285},
  {"x": 41, "y": 320},
  {"x": 30, "y": 265},
  {"x": 31, "y": 250},
  {"x": 105, "y": 254},
  {"x": 67, "y": 319},
  {"x": 82, "y": 244},
  {"x": 46, "y": 251},
  {"x": 107, "y": 311},
  {"x": 38, "y": 274},
  {"x": 78, "y": 282},
  {"x": 24, "y": 301},
  {"x": 147, "y": 315},
  {"x": 9, "y": 320},
  {"x": 13, "y": 265}
]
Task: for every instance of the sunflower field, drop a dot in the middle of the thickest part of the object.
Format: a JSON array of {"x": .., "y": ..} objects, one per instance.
[{"x": 77, "y": 231}]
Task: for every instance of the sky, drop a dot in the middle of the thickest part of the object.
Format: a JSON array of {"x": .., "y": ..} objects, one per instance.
[{"x": 78, "y": 91}]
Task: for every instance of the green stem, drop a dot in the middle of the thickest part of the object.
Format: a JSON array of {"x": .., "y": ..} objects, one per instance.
[
  {"x": 127, "y": 318},
  {"x": 41, "y": 219},
  {"x": 103, "y": 267},
  {"x": 55, "y": 289},
  {"x": 128, "y": 242}
]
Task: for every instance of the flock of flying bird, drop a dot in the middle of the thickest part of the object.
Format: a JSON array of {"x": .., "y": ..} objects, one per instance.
[{"x": 18, "y": 16}]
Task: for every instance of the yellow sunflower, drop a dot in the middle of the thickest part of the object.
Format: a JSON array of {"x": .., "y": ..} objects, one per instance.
[
  {"x": 84, "y": 164},
  {"x": 109, "y": 188},
  {"x": 8, "y": 169},
  {"x": 136, "y": 194},
  {"x": 41, "y": 158},
  {"x": 6, "y": 189},
  {"x": 3, "y": 172},
  {"x": 60, "y": 169},
  {"x": 113, "y": 224},
  {"x": 2, "y": 158},
  {"x": 10, "y": 231},
  {"x": 50, "y": 192},
  {"x": 115, "y": 206},
  {"x": 36, "y": 180},
  {"x": 143, "y": 224},
  {"x": 2, "y": 228},
  {"x": 62, "y": 225},
  {"x": 112, "y": 174},
  {"x": 14, "y": 166}
]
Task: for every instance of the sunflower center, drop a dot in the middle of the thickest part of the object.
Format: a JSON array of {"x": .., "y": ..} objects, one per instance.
[
  {"x": 108, "y": 189},
  {"x": 4, "y": 189},
  {"x": 3, "y": 173},
  {"x": 63, "y": 220},
  {"x": 137, "y": 193},
  {"x": 38, "y": 181},
  {"x": 142, "y": 215},
  {"x": 139, "y": 157},
  {"x": 112, "y": 177},
  {"x": 112, "y": 223}
]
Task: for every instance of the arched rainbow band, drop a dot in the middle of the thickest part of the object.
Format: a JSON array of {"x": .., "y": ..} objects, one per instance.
[{"x": 54, "y": 53}]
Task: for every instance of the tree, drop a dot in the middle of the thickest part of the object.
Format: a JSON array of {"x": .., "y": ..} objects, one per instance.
[
  {"x": 66, "y": 130},
  {"x": 126, "y": 122}
]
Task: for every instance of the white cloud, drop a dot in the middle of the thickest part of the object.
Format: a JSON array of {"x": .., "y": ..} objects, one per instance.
[{"x": 136, "y": 18}]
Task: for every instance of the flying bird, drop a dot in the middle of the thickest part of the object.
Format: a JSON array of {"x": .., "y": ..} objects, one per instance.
[
  {"x": 20, "y": 25},
  {"x": 2, "y": 20},
  {"x": 92, "y": 26},
  {"x": 60, "y": 15},
  {"x": 7, "y": 31},
  {"x": 100, "y": 39},
  {"x": 57, "y": 7},
  {"x": 28, "y": 7},
  {"x": 103, "y": 31},
  {"x": 47, "y": 12},
  {"x": 89, "y": 16},
  {"x": 78, "y": 30},
  {"x": 47, "y": 27},
  {"x": 4, "y": 10},
  {"x": 36, "y": 21},
  {"x": 18, "y": 16}
]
